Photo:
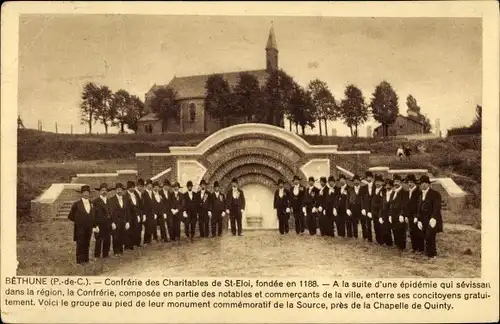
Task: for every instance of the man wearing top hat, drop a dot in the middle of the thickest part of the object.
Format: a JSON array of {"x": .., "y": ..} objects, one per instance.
[
  {"x": 160, "y": 212},
  {"x": 190, "y": 213},
  {"x": 120, "y": 221},
  {"x": 342, "y": 202},
  {"x": 205, "y": 209},
  {"x": 166, "y": 195},
  {"x": 430, "y": 221},
  {"x": 374, "y": 209},
  {"x": 414, "y": 194},
  {"x": 330, "y": 210},
  {"x": 135, "y": 216},
  {"x": 354, "y": 207},
  {"x": 282, "y": 205},
  {"x": 82, "y": 214},
  {"x": 218, "y": 210},
  {"x": 177, "y": 210},
  {"x": 309, "y": 206},
  {"x": 397, "y": 216},
  {"x": 385, "y": 218},
  {"x": 150, "y": 231},
  {"x": 103, "y": 221},
  {"x": 296, "y": 199},
  {"x": 235, "y": 206},
  {"x": 366, "y": 214},
  {"x": 321, "y": 206}
]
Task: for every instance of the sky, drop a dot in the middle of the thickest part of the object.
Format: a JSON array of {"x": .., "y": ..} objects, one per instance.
[{"x": 437, "y": 60}]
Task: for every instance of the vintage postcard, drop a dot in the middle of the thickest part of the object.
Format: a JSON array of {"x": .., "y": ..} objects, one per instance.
[{"x": 249, "y": 162}]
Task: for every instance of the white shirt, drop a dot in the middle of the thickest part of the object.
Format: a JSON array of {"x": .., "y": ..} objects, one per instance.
[
  {"x": 217, "y": 194},
  {"x": 370, "y": 185},
  {"x": 150, "y": 193},
  {"x": 400, "y": 151},
  {"x": 166, "y": 193},
  {"x": 296, "y": 189},
  {"x": 377, "y": 190},
  {"x": 424, "y": 193},
  {"x": 138, "y": 193},
  {"x": 132, "y": 197},
  {"x": 330, "y": 189},
  {"x": 190, "y": 194},
  {"x": 202, "y": 194},
  {"x": 388, "y": 195},
  {"x": 343, "y": 189},
  {"x": 176, "y": 194},
  {"x": 396, "y": 192},
  {"x": 356, "y": 189},
  {"x": 281, "y": 192},
  {"x": 120, "y": 200},
  {"x": 157, "y": 196},
  {"x": 86, "y": 204},
  {"x": 236, "y": 194},
  {"x": 105, "y": 199},
  {"x": 411, "y": 191}
]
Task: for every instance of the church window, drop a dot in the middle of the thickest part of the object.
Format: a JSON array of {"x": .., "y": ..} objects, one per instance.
[{"x": 192, "y": 112}]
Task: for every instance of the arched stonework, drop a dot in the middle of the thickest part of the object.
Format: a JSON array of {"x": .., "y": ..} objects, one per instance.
[{"x": 250, "y": 178}]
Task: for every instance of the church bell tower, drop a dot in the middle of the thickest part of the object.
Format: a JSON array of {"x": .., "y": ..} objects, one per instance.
[{"x": 271, "y": 52}]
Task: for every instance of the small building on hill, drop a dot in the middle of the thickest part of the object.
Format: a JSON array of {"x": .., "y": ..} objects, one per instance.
[
  {"x": 191, "y": 94},
  {"x": 403, "y": 125}
]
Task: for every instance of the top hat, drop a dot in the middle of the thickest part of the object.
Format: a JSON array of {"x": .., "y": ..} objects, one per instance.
[
  {"x": 83, "y": 189},
  {"x": 119, "y": 185},
  {"x": 424, "y": 179},
  {"x": 156, "y": 184},
  {"x": 296, "y": 177},
  {"x": 140, "y": 182},
  {"x": 149, "y": 181},
  {"x": 130, "y": 184},
  {"x": 322, "y": 179},
  {"x": 203, "y": 182},
  {"x": 411, "y": 177},
  {"x": 396, "y": 177},
  {"x": 311, "y": 179},
  {"x": 355, "y": 177},
  {"x": 234, "y": 180},
  {"x": 379, "y": 178},
  {"x": 103, "y": 186},
  {"x": 368, "y": 174},
  {"x": 280, "y": 181},
  {"x": 216, "y": 184},
  {"x": 341, "y": 176},
  {"x": 189, "y": 183},
  {"x": 176, "y": 185},
  {"x": 166, "y": 183},
  {"x": 331, "y": 178},
  {"x": 389, "y": 182}
]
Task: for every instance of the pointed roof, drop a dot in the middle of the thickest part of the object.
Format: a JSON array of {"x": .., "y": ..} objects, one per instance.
[{"x": 271, "y": 40}]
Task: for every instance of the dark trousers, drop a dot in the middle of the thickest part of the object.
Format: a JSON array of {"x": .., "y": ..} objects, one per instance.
[
  {"x": 340, "y": 221},
  {"x": 430, "y": 243},
  {"x": 190, "y": 225},
  {"x": 417, "y": 239},
  {"x": 379, "y": 231},
  {"x": 170, "y": 227},
  {"x": 299, "y": 219},
  {"x": 102, "y": 244},
  {"x": 162, "y": 223},
  {"x": 399, "y": 232},
  {"x": 328, "y": 222},
  {"x": 176, "y": 227},
  {"x": 150, "y": 231},
  {"x": 366, "y": 228},
  {"x": 128, "y": 237},
  {"x": 118, "y": 238},
  {"x": 351, "y": 224},
  {"x": 204, "y": 224},
  {"x": 387, "y": 233},
  {"x": 235, "y": 219},
  {"x": 312, "y": 222},
  {"x": 282, "y": 221},
  {"x": 137, "y": 233},
  {"x": 323, "y": 223},
  {"x": 216, "y": 225},
  {"x": 83, "y": 246}
]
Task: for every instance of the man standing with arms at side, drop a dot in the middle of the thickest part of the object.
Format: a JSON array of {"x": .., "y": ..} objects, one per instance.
[
  {"x": 82, "y": 214},
  {"x": 366, "y": 214},
  {"x": 385, "y": 218},
  {"x": 218, "y": 210},
  {"x": 141, "y": 228},
  {"x": 191, "y": 206},
  {"x": 205, "y": 209},
  {"x": 177, "y": 210},
  {"x": 160, "y": 212},
  {"x": 134, "y": 213},
  {"x": 398, "y": 213},
  {"x": 414, "y": 194},
  {"x": 330, "y": 210},
  {"x": 235, "y": 207},
  {"x": 103, "y": 221},
  {"x": 342, "y": 206},
  {"x": 309, "y": 209},
  {"x": 166, "y": 196},
  {"x": 282, "y": 206},
  {"x": 375, "y": 209},
  {"x": 430, "y": 220},
  {"x": 119, "y": 219},
  {"x": 354, "y": 208},
  {"x": 321, "y": 206},
  {"x": 150, "y": 231},
  {"x": 296, "y": 200}
]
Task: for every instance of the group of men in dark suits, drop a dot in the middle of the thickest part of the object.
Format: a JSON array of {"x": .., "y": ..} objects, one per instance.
[
  {"x": 132, "y": 216},
  {"x": 379, "y": 206}
]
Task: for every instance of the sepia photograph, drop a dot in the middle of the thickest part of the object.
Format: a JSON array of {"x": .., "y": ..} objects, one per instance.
[{"x": 249, "y": 146}]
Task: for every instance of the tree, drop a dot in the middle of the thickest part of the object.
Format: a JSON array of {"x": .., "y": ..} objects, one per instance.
[
  {"x": 104, "y": 112},
  {"x": 301, "y": 109},
  {"x": 479, "y": 116},
  {"x": 120, "y": 104},
  {"x": 165, "y": 105},
  {"x": 134, "y": 113},
  {"x": 353, "y": 108},
  {"x": 89, "y": 104},
  {"x": 247, "y": 96},
  {"x": 384, "y": 105},
  {"x": 412, "y": 105},
  {"x": 427, "y": 124},
  {"x": 219, "y": 100},
  {"x": 324, "y": 103},
  {"x": 277, "y": 92}
]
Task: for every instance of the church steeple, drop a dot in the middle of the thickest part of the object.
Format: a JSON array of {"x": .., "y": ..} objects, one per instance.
[{"x": 271, "y": 52}]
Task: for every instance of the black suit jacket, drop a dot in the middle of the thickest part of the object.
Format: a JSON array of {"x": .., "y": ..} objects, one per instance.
[
  {"x": 191, "y": 205},
  {"x": 102, "y": 215},
  {"x": 355, "y": 201},
  {"x": 412, "y": 205},
  {"x": 119, "y": 214},
  {"x": 206, "y": 202},
  {"x": 218, "y": 204},
  {"x": 147, "y": 204},
  {"x": 321, "y": 198},
  {"x": 296, "y": 200},
  {"x": 235, "y": 205},
  {"x": 367, "y": 196},
  {"x": 376, "y": 202},
  {"x": 281, "y": 203},
  {"x": 82, "y": 220},
  {"x": 331, "y": 198},
  {"x": 133, "y": 209},
  {"x": 342, "y": 200},
  {"x": 166, "y": 200},
  {"x": 177, "y": 202},
  {"x": 386, "y": 206},
  {"x": 310, "y": 196},
  {"x": 431, "y": 208}
]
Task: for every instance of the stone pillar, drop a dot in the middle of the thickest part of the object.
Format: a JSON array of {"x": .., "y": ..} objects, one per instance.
[
  {"x": 369, "y": 131},
  {"x": 437, "y": 127}
]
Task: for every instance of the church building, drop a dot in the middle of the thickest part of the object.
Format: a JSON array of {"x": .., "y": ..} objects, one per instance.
[{"x": 191, "y": 94}]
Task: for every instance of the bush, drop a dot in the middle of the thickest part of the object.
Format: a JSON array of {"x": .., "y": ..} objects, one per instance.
[{"x": 464, "y": 130}]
